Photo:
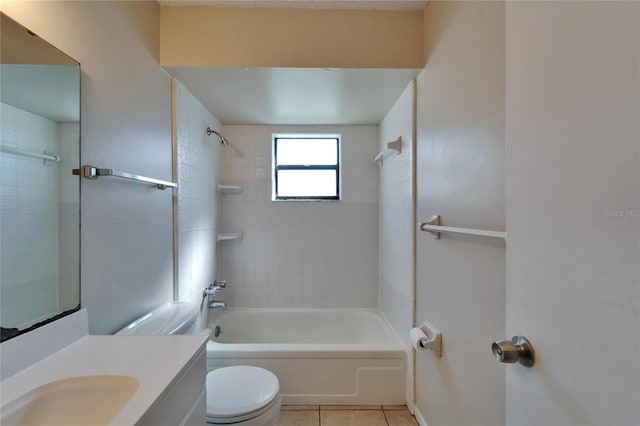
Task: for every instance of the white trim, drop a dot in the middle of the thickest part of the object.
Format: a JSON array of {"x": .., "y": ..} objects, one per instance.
[{"x": 419, "y": 417}]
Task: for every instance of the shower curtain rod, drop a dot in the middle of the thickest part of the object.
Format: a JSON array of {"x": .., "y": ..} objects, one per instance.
[{"x": 19, "y": 151}]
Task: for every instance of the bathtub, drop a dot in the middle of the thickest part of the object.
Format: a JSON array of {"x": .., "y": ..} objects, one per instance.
[{"x": 321, "y": 356}]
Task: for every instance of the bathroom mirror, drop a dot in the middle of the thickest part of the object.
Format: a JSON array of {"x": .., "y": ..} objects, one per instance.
[{"x": 40, "y": 198}]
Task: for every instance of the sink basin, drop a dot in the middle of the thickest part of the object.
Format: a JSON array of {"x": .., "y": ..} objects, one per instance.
[{"x": 85, "y": 400}]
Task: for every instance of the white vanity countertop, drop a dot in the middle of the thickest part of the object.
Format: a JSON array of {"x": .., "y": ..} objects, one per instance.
[{"x": 155, "y": 361}]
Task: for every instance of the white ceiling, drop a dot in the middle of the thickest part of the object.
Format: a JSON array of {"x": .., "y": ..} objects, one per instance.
[
  {"x": 299, "y": 96},
  {"x": 304, "y": 4}
]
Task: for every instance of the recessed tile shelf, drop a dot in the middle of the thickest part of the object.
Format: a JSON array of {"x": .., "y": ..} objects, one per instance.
[
  {"x": 229, "y": 189},
  {"x": 228, "y": 236}
]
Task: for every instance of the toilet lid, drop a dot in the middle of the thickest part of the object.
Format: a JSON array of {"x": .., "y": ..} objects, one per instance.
[{"x": 239, "y": 390}]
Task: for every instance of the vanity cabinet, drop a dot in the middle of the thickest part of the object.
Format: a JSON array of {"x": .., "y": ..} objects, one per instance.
[{"x": 183, "y": 402}]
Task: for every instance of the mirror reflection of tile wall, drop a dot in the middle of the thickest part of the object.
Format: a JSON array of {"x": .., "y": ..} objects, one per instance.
[
  {"x": 29, "y": 221},
  {"x": 39, "y": 198}
]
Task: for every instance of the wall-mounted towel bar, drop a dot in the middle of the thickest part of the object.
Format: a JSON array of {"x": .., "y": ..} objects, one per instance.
[
  {"x": 391, "y": 146},
  {"x": 19, "y": 151},
  {"x": 433, "y": 226},
  {"x": 92, "y": 172}
]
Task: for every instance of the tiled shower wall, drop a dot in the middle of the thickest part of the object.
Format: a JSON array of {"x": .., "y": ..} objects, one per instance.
[
  {"x": 199, "y": 169},
  {"x": 29, "y": 194},
  {"x": 68, "y": 216},
  {"x": 300, "y": 254},
  {"x": 396, "y": 232}
]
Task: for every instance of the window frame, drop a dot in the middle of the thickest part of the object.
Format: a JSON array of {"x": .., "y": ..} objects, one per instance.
[{"x": 276, "y": 168}]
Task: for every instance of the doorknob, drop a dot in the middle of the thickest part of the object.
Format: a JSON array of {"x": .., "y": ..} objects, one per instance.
[{"x": 518, "y": 349}]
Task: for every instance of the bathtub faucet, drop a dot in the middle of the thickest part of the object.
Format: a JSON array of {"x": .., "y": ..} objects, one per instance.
[
  {"x": 213, "y": 305},
  {"x": 213, "y": 288},
  {"x": 210, "y": 291}
]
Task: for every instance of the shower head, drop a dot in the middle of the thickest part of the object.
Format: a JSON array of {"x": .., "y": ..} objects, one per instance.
[{"x": 223, "y": 140}]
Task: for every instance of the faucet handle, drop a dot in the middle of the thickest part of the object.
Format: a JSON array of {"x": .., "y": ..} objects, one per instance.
[
  {"x": 211, "y": 290},
  {"x": 220, "y": 284}
]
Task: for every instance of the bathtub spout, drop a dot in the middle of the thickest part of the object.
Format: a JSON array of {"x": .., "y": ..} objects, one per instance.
[{"x": 213, "y": 305}]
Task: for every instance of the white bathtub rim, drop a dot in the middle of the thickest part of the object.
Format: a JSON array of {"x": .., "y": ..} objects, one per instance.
[
  {"x": 373, "y": 311},
  {"x": 280, "y": 350},
  {"x": 391, "y": 349},
  {"x": 378, "y": 314}
]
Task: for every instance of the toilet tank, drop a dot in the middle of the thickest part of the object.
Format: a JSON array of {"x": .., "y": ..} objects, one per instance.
[{"x": 170, "y": 318}]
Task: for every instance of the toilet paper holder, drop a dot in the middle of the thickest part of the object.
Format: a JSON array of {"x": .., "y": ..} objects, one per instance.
[{"x": 432, "y": 338}]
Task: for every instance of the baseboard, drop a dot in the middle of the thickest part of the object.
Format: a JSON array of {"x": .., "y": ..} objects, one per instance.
[
  {"x": 419, "y": 418},
  {"x": 411, "y": 407}
]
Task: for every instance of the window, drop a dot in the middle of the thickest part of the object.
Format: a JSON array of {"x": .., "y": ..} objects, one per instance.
[{"x": 306, "y": 167}]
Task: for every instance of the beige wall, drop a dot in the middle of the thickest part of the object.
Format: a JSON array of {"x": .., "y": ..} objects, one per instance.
[
  {"x": 20, "y": 47},
  {"x": 218, "y": 37},
  {"x": 460, "y": 176},
  {"x": 126, "y": 264}
]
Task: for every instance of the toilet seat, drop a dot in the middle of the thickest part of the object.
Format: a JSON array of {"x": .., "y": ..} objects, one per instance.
[
  {"x": 240, "y": 393},
  {"x": 245, "y": 418}
]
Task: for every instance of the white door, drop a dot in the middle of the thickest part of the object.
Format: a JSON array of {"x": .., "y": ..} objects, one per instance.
[{"x": 573, "y": 211}]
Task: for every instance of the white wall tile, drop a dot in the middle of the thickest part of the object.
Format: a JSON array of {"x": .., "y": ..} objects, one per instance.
[
  {"x": 69, "y": 216},
  {"x": 396, "y": 224},
  {"x": 199, "y": 204},
  {"x": 300, "y": 254},
  {"x": 28, "y": 219}
]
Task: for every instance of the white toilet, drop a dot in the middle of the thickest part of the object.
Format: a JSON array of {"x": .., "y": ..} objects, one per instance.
[{"x": 240, "y": 395}]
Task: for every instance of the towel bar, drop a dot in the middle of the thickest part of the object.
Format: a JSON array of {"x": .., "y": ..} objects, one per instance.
[{"x": 92, "y": 172}]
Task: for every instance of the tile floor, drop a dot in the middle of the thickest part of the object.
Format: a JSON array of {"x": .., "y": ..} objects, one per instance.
[{"x": 346, "y": 415}]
